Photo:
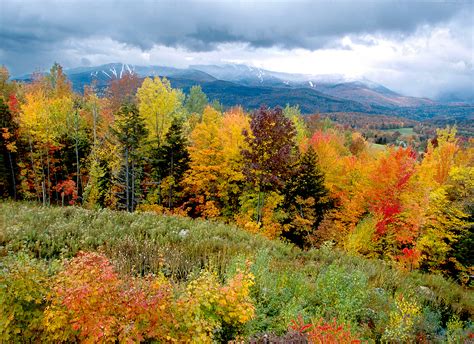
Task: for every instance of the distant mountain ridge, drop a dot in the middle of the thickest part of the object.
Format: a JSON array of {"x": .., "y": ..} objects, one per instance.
[{"x": 250, "y": 87}]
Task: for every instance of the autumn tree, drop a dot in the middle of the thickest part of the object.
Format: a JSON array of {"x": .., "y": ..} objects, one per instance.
[
  {"x": 7, "y": 87},
  {"x": 122, "y": 90},
  {"x": 98, "y": 119},
  {"x": 446, "y": 174},
  {"x": 202, "y": 180},
  {"x": 43, "y": 121},
  {"x": 269, "y": 154},
  {"x": 293, "y": 113},
  {"x": 158, "y": 104},
  {"x": 57, "y": 82},
  {"x": 8, "y": 149},
  {"x": 232, "y": 181}
]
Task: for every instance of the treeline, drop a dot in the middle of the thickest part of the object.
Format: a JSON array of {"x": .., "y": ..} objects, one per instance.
[{"x": 148, "y": 147}]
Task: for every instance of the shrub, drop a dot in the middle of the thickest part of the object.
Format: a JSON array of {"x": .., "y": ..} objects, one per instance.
[
  {"x": 341, "y": 294},
  {"x": 287, "y": 281},
  {"x": 208, "y": 308},
  {"x": 322, "y": 332},
  {"x": 91, "y": 302},
  {"x": 24, "y": 283},
  {"x": 403, "y": 321}
]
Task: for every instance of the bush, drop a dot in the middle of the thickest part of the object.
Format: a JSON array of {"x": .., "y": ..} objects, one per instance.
[
  {"x": 24, "y": 284},
  {"x": 322, "y": 332},
  {"x": 342, "y": 295},
  {"x": 90, "y": 301}
]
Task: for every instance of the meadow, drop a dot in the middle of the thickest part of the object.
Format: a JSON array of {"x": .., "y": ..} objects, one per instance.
[{"x": 268, "y": 286}]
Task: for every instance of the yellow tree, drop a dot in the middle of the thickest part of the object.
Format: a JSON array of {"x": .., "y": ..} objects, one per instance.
[
  {"x": 201, "y": 182},
  {"x": 43, "y": 120},
  {"x": 158, "y": 104},
  {"x": 447, "y": 174},
  {"x": 294, "y": 114},
  {"x": 234, "y": 123},
  {"x": 439, "y": 157}
]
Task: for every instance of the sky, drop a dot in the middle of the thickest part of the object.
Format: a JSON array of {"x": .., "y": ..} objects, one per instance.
[{"x": 417, "y": 48}]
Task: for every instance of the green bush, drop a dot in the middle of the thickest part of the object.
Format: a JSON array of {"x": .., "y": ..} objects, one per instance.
[{"x": 341, "y": 294}]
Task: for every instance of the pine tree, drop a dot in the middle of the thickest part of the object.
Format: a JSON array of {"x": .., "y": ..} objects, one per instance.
[
  {"x": 306, "y": 198},
  {"x": 172, "y": 159},
  {"x": 129, "y": 130}
]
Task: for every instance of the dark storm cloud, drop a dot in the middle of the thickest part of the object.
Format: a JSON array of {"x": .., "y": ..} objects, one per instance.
[
  {"x": 201, "y": 25},
  {"x": 34, "y": 34}
]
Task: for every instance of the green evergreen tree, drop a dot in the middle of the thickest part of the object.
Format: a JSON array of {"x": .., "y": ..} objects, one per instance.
[
  {"x": 130, "y": 131},
  {"x": 172, "y": 159},
  {"x": 306, "y": 199}
]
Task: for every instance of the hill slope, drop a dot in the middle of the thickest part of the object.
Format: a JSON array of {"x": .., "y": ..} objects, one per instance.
[
  {"x": 288, "y": 281},
  {"x": 235, "y": 84}
]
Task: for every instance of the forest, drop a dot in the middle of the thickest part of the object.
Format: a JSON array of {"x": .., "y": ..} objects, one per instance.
[{"x": 301, "y": 190}]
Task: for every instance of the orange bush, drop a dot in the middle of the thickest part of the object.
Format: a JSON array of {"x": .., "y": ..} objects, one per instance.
[{"x": 324, "y": 332}]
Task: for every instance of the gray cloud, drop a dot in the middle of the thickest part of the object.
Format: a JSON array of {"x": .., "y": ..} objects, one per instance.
[
  {"x": 34, "y": 34},
  {"x": 29, "y": 26}
]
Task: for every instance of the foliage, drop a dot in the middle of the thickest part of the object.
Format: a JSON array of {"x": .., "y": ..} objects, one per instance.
[
  {"x": 158, "y": 105},
  {"x": 287, "y": 281},
  {"x": 269, "y": 153},
  {"x": 403, "y": 321},
  {"x": 341, "y": 294},
  {"x": 196, "y": 101},
  {"x": 129, "y": 130},
  {"x": 88, "y": 301},
  {"x": 24, "y": 284},
  {"x": 313, "y": 182},
  {"x": 324, "y": 332},
  {"x": 306, "y": 199}
]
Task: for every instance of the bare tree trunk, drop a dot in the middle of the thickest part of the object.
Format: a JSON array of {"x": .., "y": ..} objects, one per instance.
[
  {"x": 78, "y": 170},
  {"x": 44, "y": 193},
  {"x": 13, "y": 174},
  {"x": 132, "y": 203},
  {"x": 259, "y": 206},
  {"x": 34, "y": 169},
  {"x": 170, "y": 193},
  {"x": 94, "y": 122},
  {"x": 76, "y": 148},
  {"x": 127, "y": 183},
  {"x": 48, "y": 185}
]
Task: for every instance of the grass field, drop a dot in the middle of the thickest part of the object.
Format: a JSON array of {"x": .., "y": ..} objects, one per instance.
[
  {"x": 323, "y": 283},
  {"x": 378, "y": 147},
  {"x": 403, "y": 131}
]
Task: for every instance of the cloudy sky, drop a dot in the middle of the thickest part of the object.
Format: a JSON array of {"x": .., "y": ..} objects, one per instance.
[{"x": 419, "y": 48}]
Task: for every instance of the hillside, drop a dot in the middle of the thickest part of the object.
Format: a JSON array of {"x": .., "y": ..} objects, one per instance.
[
  {"x": 235, "y": 84},
  {"x": 288, "y": 282}
]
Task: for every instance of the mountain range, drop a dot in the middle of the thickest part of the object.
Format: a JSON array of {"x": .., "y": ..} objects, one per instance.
[{"x": 233, "y": 84}]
